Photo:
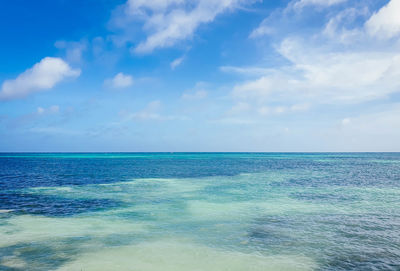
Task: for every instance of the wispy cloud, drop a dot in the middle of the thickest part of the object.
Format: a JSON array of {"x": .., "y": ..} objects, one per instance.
[
  {"x": 286, "y": 18},
  {"x": 73, "y": 49},
  {"x": 277, "y": 110},
  {"x": 40, "y": 116},
  {"x": 51, "y": 110},
  {"x": 168, "y": 22},
  {"x": 197, "y": 93},
  {"x": 299, "y": 4},
  {"x": 151, "y": 112},
  {"x": 251, "y": 71},
  {"x": 322, "y": 71},
  {"x": 42, "y": 76},
  {"x": 326, "y": 77},
  {"x": 176, "y": 62}
]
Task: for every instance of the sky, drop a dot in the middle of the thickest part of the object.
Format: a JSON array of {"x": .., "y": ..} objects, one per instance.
[{"x": 199, "y": 75}]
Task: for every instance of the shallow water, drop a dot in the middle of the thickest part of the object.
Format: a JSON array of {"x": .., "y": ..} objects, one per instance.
[{"x": 208, "y": 211}]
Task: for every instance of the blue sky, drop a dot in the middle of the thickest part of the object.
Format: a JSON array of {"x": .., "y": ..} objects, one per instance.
[{"x": 200, "y": 75}]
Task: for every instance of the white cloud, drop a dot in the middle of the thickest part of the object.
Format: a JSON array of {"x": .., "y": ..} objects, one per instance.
[
  {"x": 40, "y": 110},
  {"x": 315, "y": 75},
  {"x": 42, "y": 76},
  {"x": 119, "y": 81},
  {"x": 382, "y": 25},
  {"x": 262, "y": 30},
  {"x": 198, "y": 92},
  {"x": 385, "y": 23},
  {"x": 168, "y": 22},
  {"x": 300, "y": 107},
  {"x": 151, "y": 112},
  {"x": 176, "y": 62},
  {"x": 51, "y": 110},
  {"x": 277, "y": 110},
  {"x": 287, "y": 19},
  {"x": 322, "y": 3},
  {"x": 346, "y": 121},
  {"x": 73, "y": 50},
  {"x": 338, "y": 27},
  {"x": 346, "y": 62},
  {"x": 342, "y": 63},
  {"x": 250, "y": 71},
  {"x": 196, "y": 95}
]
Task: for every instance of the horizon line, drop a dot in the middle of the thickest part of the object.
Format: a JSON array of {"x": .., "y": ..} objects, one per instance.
[{"x": 199, "y": 152}]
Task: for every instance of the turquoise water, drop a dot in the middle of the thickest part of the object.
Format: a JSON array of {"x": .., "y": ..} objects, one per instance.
[{"x": 200, "y": 211}]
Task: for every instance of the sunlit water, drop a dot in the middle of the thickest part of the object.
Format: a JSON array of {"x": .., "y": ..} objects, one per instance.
[{"x": 237, "y": 211}]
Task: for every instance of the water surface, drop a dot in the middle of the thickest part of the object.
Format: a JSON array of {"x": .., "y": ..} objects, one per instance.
[{"x": 200, "y": 211}]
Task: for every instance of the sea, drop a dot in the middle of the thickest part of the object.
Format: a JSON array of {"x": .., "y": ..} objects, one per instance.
[{"x": 200, "y": 211}]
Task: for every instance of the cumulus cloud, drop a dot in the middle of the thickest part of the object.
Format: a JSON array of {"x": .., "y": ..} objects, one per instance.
[
  {"x": 42, "y": 76},
  {"x": 385, "y": 23},
  {"x": 168, "y": 22},
  {"x": 119, "y": 81}
]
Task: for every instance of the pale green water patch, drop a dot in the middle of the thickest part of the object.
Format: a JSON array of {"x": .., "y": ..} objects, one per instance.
[
  {"x": 183, "y": 255},
  {"x": 28, "y": 228}
]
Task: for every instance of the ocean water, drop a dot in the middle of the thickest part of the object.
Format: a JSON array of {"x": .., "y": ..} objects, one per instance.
[{"x": 200, "y": 211}]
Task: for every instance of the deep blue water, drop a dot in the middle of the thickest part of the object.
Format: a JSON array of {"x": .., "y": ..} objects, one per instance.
[{"x": 176, "y": 211}]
